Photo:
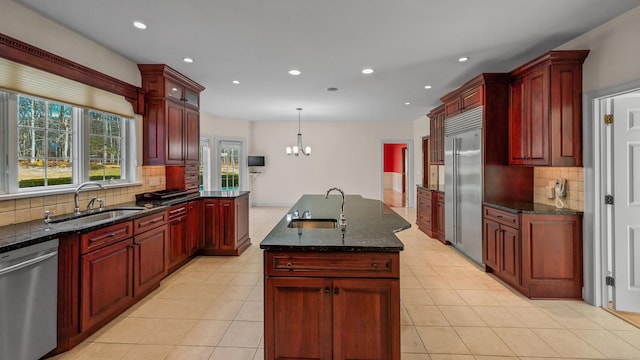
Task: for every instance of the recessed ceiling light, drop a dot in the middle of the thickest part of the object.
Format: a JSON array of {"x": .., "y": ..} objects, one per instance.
[
  {"x": 139, "y": 25},
  {"x": 463, "y": 59},
  {"x": 294, "y": 72},
  {"x": 367, "y": 71},
  {"x": 236, "y": 82},
  {"x": 332, "y": 89},
  {"x": 407, "y": 103},
  {"x": 187, "y": 60},
  {"x": 427, "y": 86}
]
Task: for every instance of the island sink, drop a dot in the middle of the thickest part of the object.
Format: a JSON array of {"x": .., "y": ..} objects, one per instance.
[{"x": 313, "y": 224}]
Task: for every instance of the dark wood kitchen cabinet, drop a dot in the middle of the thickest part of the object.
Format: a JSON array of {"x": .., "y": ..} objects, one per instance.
[
  {"x": 539, "y": 254},
  {"x": 226, "y": 226},
  {"x": 436, "y": 136},
  {"x": 151, "y": 243},
  {"x": 545, "y": 110},
  {"x": 195, "y": 229},
  {"x": 502, "y": 244},
  {"x": 320, "y": 306},
  {"x": 462, "y": 100},
  {"x": 171, "y": 127},
  {"x": 177, "y": 223},
  {"x": 430, "y": 213}
]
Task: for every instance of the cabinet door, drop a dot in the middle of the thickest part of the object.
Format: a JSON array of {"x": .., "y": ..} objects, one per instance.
[
  {"x": 68, "y": 287},
  {"x": 537, "y": 114},
  {"x": 518, "y": 134},
  {"x": 298, "y": 318},
  {"x": 150, "y": 259},
  {"x": 106, "y": 282},
  {"x": 509, "y": 259},
  {"x": 192, "y": 136},
  {"x": 194, "y": 227},
  {"x": 492, "y": 234},
  {"x": 440, "y": 215},
  {"x": 210, "y": 221},
  {"x": 227, "y": 224},
  {"x": 175, "y": 133},
  {"x": 177, "y": 241},
  {"x": 242, "y": 220},
  {"x": 364, "y": 316}
]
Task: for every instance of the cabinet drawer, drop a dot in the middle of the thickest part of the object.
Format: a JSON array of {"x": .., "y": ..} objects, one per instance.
[
  {"x": 176, "y": 212},
  {"x": 149, "y": 222},
  {"x": 368, "y": 265},
  {"x": 502, "y": 217},
  {"x": 109, "y": 235}
]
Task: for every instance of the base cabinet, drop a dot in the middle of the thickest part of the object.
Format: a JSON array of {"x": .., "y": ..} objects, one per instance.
[
  {"x": 332, "y": 306},
  {"x": 538, "y": 254},
  {"x": 430, "y": 213},
  {"x": 226, "y": 226}
]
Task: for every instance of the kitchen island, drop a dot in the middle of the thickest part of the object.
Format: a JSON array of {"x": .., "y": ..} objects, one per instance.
[{"x": 329, "y": 293}]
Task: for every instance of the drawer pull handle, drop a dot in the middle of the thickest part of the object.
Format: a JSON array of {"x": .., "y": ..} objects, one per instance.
[
  {"x": 112, "y": 235},
  {"x": 289, "y": 266},
  {"x": 499, "y": 216}
]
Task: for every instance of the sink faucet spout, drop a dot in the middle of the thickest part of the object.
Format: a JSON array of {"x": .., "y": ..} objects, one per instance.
[
  {"x": 76, "y": 209},
  {"x": 343, "y": 220}
]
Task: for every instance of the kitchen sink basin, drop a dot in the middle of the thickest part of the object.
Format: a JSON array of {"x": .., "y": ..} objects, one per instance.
[
  {"x": 96, "y": 216},
  {"x": 313, "y": 224}
]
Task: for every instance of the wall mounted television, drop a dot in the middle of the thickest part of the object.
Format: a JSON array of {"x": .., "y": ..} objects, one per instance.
[{"x": 255, "y": 161}]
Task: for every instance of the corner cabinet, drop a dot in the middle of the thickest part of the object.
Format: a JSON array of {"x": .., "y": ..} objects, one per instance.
[
  {"x": 171, "y": 130},
  {"x": 226, "y": 226},
  {"x": 539, "y": 254},
  {"x": 545, "y": 110},
  {"x": 332, "y": 305}
]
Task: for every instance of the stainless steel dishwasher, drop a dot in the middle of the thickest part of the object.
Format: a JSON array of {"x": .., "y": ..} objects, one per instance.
[{"x": 28, "y": 301}]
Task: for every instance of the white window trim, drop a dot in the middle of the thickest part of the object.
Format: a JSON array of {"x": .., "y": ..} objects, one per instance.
[
  {"x": 242, "y": 162},
  {"x": 9, "y": 185}
]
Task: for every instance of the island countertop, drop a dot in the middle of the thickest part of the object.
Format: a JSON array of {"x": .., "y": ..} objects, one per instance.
[{"x": 371, "y": 227}]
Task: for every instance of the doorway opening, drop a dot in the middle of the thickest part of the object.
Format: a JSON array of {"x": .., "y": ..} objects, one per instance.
[{"x": 395, "y": 174}]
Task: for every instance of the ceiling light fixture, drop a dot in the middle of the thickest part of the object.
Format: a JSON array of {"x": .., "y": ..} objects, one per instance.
[
  {"x": 367, "y": 71},
  {"x": 187, "y": 60},
  {"x": 463, "y": 59},
  {"x": 139, "y": 25},
  {"x": 236, "y": 82},
  {"x": 427, "y": 87},
  {"x": 407, "y": 103},
  {"x": 294, "y": 72},
  {"x": 295, "y": 150},
  {"x": 332, "y": 89}
]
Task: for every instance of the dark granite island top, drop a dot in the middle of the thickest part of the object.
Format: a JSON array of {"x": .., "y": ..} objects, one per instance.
[
  {"x": 523, "y": 207},
  {"x": 371, "y": 227}
]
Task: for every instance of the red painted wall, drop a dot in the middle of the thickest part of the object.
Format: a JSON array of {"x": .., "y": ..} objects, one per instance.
[{"x": 393, "y": 157}]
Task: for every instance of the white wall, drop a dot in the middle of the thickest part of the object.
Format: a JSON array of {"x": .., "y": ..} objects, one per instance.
[
  {"x": 347, "y": 155},
  {"x": 615, "y": 54},
  {"x": 27, "y": 26}
]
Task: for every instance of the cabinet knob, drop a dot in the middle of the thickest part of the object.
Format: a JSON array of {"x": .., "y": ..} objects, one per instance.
[
  {"x": 374, "y": 265},
  {"x": 327, "y": 290},
  {"x": 289, "y": 266},
  {"x": 336, "y": 291}
]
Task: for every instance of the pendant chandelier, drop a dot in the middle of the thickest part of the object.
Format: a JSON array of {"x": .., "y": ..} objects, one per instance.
[{"x": 298, "y": 148}]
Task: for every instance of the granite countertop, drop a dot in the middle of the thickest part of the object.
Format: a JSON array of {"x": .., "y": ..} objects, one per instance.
[
  {"x": 433, "y": 187},
  {"x": 33, "y": 232},
  {"x": 371, "y": 227},
  {"x": 525, "y": 207}
]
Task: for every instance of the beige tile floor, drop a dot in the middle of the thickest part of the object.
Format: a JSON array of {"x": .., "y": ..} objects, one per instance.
[{"x": 212, "y": 309}]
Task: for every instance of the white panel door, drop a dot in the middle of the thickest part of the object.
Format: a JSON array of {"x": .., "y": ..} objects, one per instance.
[{"x": 626, "y": 162}]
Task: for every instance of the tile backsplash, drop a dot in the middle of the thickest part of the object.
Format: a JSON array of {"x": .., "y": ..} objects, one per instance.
[
  {"x": 32, "y": 208},
  {"x": 575, "y": 185}
]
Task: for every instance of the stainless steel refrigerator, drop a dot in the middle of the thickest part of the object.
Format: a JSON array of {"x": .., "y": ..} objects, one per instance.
[{"x": 463, "y": 183}]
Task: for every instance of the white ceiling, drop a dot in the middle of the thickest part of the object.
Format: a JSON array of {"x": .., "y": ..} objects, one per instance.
[{"x": 409, "y": 43}]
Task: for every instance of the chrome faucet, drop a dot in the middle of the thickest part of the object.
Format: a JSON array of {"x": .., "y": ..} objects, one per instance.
[
  {"x": 343, "y": 219},
  {"x": 76, "y": 209}
]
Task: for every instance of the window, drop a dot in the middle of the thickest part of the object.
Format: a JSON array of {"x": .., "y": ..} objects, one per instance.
[
  {"x": 105, "y": 146},
  {"x": 205, "y": 164},
  {"x": 229, "y": 167},
  {"x": 45, "y": 134},
  {"x": 52, "y": 145}
]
